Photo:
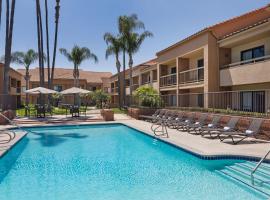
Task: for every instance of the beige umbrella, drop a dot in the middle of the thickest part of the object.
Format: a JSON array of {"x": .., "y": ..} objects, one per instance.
[
  {"x": 40, "y": 90},
  {"x": 75, "y": 90}
]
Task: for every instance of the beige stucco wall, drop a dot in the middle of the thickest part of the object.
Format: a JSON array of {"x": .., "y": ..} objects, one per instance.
[
  {"x": 236, "y": 51},
  {"x": 245, "y": 74},
  {"x": 182, "y": 49}
]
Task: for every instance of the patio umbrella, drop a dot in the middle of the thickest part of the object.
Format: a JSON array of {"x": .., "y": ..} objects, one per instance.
[
  {"x": 40, "y": 90},
  {"x": 75, "y": 90}
]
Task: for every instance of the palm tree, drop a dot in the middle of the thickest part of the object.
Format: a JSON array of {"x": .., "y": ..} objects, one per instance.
[
  {"x": 40, "y": 43},
  {"x": 8, "y": 44},
  {"x": 26, "y": 59},
  {"x": 126, "y": 26},
  {"x": 114, "y": 48},
  {"x": 47, "y": 43},
  {"x": 57, "y": 13},
  {"x": 77, "y": 56}
]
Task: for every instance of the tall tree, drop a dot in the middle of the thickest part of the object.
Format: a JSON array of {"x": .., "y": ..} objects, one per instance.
[
  {"x": 134, "y": 43},
  {"x": 40, "y": 43},
  {"x": 114, "y": 45},
  {"x": 77, "y": 55},
  {"x": 57, "y": 14},
  {"x": 26, "y": 59},
  {"x": 8, "y": 44},
  {"x": 47, "y": 44},
  {"x": 126, "y": 26}
]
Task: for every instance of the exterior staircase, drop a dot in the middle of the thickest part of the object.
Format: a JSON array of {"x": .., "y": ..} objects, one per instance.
[{"x": 241, "y": 172}]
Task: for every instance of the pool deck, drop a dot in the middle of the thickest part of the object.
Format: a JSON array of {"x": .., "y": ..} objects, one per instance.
[{"x": 193, "y": 143}]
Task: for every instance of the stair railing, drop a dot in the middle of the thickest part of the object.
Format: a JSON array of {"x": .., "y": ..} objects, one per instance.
[{"x": 257, "y": 166}]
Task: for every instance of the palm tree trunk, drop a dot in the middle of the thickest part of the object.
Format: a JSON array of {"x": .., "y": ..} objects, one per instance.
[
  {"x": 38, "y": 39},
  {"x": 118, "y": 83},
  {"x": 57, "y": 9},
  {"x": 124, "y": 72},
  {"x": 27, "y": 77},
  {"x": 130, "y": 63},
  {"x": 8, "y": 46},
  {"x": 48, "y": 44}
]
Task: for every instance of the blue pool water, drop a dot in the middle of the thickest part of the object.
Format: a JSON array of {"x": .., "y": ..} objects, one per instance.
[{"x": 109, "y": 162}]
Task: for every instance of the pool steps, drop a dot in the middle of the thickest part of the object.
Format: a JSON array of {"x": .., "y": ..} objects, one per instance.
[{"x": 240, "y": 172}]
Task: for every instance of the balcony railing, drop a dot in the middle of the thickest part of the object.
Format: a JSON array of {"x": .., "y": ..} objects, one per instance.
[
  {"x": 245, "y": 102},
  {"x": 250, "y": 61},
  {"x": 191, "y": 76},
  {"x": 114, "y": 90},
  {"x": 168, "y": 80},
  {"x": 135, "y": 86}
]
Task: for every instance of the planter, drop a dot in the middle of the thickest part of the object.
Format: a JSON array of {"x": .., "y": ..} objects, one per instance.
[
  {"x": 9, "y": 114},
  {"x": 107, "y": 114},
  {"x": 136, "y": 112}
]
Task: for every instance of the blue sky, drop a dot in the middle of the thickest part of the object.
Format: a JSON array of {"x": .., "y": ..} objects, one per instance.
[{"x": 84, "y": 22}]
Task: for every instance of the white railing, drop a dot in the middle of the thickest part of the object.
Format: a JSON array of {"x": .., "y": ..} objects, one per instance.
[
  {"x": 114, "y": 90},
  {"x": 250, "y": 61},
  {"x": 191, "y": 76},
  {"x": 168, "y": 80}
]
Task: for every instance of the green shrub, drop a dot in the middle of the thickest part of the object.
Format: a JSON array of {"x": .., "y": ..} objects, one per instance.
[
  {"x": 147, "y": 96},
  {"x": 100, "y": 98}
]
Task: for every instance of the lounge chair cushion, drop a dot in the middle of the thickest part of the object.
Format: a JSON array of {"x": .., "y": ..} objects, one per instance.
[
  {"x": 187, "y": 121},
  {"x": 249, "y": 132},
  {"x": 197, "y": 123},
  {"x": 176, "y": 118},
  {"x": 226, "y": 128},
  {"x": 210, "y": 125}
]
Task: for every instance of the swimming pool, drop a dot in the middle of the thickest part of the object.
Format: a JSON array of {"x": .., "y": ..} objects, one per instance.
[{"x": 109, "y": 162}]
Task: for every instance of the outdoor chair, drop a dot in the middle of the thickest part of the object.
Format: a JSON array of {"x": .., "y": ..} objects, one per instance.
[
  {"x": 178, "y": 118},
  {"x": 151, "y": 117},
  {"x": 75, "y": 111},
  {"x": 49, "y": 109},
  {"x": 206, "y": 130},
  {"x": 230, "y": 127},
  {"x": 40, "y": 111},
  {"x": 182, "y": 124},
  {"x": 198, "y": 124},
  {"x": 251, "y": 132},
  {"x": 83, "y": 110}
]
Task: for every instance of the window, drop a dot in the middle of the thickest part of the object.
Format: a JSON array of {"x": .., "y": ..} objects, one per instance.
[
  {"x": 200, "y": 63},
  {"x": 173, "y": 70},
  {"x": 252, "y": 101},
  {"x": 253, "y": 53},
  {"x": 58, "y": 88}
]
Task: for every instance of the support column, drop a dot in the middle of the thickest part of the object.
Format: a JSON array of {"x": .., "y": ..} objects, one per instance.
[{"x": 177, "y": 82}]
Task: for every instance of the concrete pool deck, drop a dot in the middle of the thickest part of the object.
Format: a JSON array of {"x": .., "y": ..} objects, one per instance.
[{"x": 189, "y": 142}]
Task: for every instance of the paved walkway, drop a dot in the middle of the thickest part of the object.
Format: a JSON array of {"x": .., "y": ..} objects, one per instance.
[{"x": 194, "y": 143}]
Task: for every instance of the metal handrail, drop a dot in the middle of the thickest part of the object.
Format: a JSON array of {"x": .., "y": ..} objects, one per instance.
[
  {"x": 194, "y": 69},
  {"x": 259, "y": 59},
  {"x": 257, "y": 166},
  {"x": 12, "y": 123},
  {"x": 168, "y": 75}
]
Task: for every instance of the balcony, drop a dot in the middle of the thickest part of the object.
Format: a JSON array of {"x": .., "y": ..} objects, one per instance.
[
  {"x": 114, "y": 90},
  {"x": 168, "y": 80},
  {"x": 191, "y": 76},
  {"x": 246, "y": 72}
]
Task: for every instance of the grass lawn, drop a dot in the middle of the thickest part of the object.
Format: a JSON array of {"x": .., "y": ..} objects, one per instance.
[
  {"x": 118, "y": 111},
  {"x": 56, "y": 111}
]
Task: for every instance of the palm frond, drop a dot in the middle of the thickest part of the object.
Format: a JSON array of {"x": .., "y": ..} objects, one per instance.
[{"x": 65, "y": 52}]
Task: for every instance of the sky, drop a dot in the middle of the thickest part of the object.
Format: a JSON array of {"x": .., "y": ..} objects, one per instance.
[{"x": 84, "y": 22}]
